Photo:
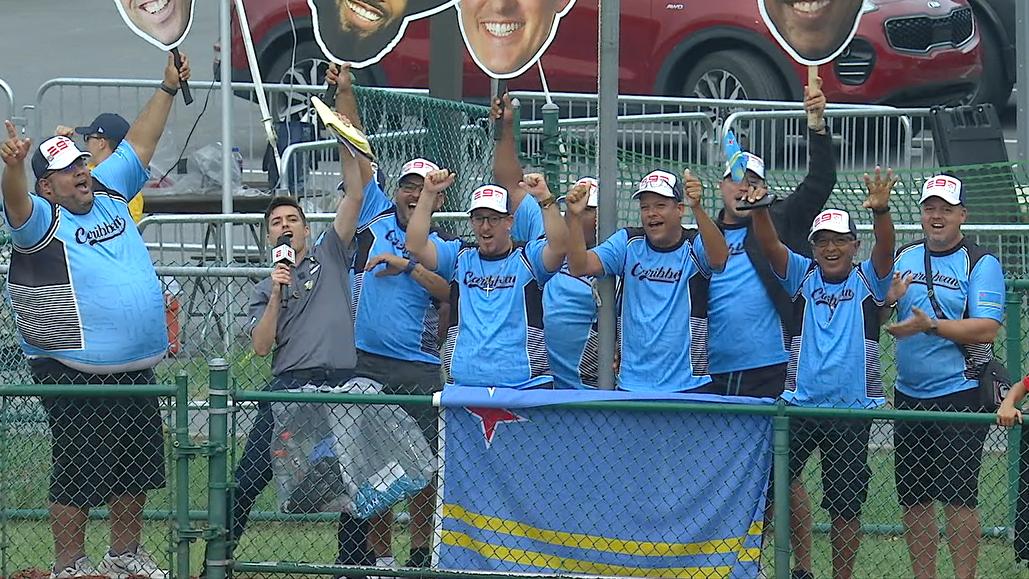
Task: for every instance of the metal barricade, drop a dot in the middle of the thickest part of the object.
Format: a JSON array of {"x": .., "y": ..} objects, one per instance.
[
  {"x": 866, "y": 138},
  {"x": 680, "y": 138},
  {"x": 780, "y": 141},
  {"x": 197, "y": 240},
  {"x": 6, "y": 100},
  {"x": 320, "y": 183}
]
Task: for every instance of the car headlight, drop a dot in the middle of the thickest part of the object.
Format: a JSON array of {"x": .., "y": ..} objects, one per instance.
[{"x": 868, "y": 6}]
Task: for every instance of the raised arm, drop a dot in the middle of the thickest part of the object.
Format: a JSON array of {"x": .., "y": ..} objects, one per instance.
[
  {"x": 581, "y": 261},
  {"x": 349, "y": 206},
  {"x": 418, "y": 244},
  {"x": 346, "y": 105},
  {"x": 15, "y": 183},
  {"x": 878, "y": 202},
  {"x": 714, "y": 241},
  {"x": 811, "y": 195},
  {"x": 553, "y": 224},
  {"x": 146, "y": 131},
  {"x": 767, "y": 238},
  {"x": 507, "y": 169}
]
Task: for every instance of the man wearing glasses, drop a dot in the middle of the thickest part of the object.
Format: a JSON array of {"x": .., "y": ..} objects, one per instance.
[
  {"x": 495, "y": 338},
  {"x": 398, "y": 305},
  {"x": 834, "y": 361},
  {"x": 90, "y": 310}
]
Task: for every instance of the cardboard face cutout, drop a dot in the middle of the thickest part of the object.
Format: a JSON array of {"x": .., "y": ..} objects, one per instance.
[
  {"x": 813, "y": 32},
  {"x": 163, "y": 23},
  {"x": 361, "y": 32},
  {"x": 506, "y": 37}
]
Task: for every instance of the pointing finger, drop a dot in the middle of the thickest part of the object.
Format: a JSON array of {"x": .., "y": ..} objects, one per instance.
[{"x": 11, "y": 131}]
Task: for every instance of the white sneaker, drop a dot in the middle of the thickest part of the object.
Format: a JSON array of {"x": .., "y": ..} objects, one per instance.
[
  {"x": 131, "y": 565},
  {"x": 387, "y": 561},
  {"x": 82, "y": 567}
]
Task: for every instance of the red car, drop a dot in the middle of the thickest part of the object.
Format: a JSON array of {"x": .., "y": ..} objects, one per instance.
[{"x": 905, "y": 53}]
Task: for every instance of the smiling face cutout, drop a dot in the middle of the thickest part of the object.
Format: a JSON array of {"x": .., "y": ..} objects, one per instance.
[
  {"x": 361, "y": 32},
  {"x": 813, "y": 32},
  {"x": 163, "y": 23},
  {"x": 506, "y": 37}
]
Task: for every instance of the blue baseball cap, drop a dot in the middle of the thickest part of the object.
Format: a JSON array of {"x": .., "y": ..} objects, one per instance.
[{"x": 108, "y": 125}]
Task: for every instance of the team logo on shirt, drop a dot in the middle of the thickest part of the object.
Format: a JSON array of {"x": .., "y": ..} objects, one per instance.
[
  {"x": 829, "y": 300},
  {"x": 394, "y": 238},
  {"x": 100, "y": 233},
  {"x": 938, "y": 279},
  {"x": 489, "y": 282},
  {"x": 659, "y": 274}
]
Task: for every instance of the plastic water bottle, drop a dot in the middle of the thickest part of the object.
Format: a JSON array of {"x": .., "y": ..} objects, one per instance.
[{"x": 237, "y": 174}]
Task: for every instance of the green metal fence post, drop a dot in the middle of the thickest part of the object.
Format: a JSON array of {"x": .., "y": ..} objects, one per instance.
[
  {"x": 1013, "y": 323},
  {"x": 217, "y": 478},
  {"x": 551, "y": 144},
  {"x": 183, "y": 528},
  {"x": 781, "y": 490}
]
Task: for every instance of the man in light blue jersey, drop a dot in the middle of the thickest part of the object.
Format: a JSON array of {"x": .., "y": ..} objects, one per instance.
[
  {"x": 89, "y": 310},
  {"x": 495, "y": 338},
  {"x": 508, "y": 173},
  {"x": 746, "y": 298},
  {"x": 570, "y": 306},
  {"x": 834, "y": 362},
  {"x": 398, "y": 307},
  {"x": 939, "y": 356},
  {"x": 663, "y": 343}
]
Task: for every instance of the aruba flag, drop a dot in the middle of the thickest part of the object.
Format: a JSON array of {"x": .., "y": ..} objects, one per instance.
[{"x": 532, "y": 483}]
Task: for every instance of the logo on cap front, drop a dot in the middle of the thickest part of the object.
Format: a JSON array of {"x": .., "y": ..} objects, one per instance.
[
  {"x": 419, "y": 166},
  {"x": 55, "y": 146},
  {"x": 658, "y": 178}
]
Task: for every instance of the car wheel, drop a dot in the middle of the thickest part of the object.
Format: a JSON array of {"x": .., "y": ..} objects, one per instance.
[
  {"x": 304, "y": 68},
  {"x": 734, "y": 75},
  {"x": 993, "y": 86}
]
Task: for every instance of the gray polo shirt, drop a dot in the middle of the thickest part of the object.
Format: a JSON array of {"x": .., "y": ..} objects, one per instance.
[{"x": 316, "y": 330}]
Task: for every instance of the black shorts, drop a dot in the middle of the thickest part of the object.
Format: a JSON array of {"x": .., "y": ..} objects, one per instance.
[
  {"x": 843, "y": 445},
  {"x": 101, "y": 447},
  {"x": 765, "y": 382},
  {"x": 410, "y": 378},
  {"x": 939, "y": 461}
]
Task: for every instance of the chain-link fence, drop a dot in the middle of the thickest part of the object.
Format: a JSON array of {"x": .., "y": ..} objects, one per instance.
[
  {"x": 78, "y": 463},
  {"x": 662, "y": 489}
]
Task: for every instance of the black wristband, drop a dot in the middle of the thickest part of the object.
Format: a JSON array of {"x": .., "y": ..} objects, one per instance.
[
  {"x": 168, "y": 89},
  {"x": 411, "y": 264},
  {"x": 883, "y": 211}
]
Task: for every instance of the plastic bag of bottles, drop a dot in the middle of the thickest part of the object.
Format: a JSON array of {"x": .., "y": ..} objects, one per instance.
[{"x": 357, "y": 458}]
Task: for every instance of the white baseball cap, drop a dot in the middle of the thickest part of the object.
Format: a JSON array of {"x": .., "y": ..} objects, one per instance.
[
  {"x": 945, "y": 187},
  {"x": 55, "y": 154},
  {"x": 489, "y": 197},
  {"x": 419, "y": 166},
  {"x": 662, "y": 183},
  {"x": 835, "y": 220},
  {"x": 594, "y": 198},
  {"x": 754, "y": 163}
]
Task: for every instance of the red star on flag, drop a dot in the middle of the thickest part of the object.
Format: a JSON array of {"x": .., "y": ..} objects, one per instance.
[{"x": 491, "y": 417}]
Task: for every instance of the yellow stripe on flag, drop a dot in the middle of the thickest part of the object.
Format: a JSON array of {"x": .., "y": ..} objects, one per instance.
[
  {"x": 535, "y": 559},
  {"x": 598, "y": 543}
]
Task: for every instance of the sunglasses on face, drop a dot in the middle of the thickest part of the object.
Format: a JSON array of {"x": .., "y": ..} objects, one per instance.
[{"x": 409, "y": 187}]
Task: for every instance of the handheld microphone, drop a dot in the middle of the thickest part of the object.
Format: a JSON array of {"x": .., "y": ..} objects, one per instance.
[{"x": 283, "y": 253}]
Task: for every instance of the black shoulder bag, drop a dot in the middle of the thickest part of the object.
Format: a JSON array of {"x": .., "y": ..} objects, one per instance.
[{"x": 994, "y": 380}]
